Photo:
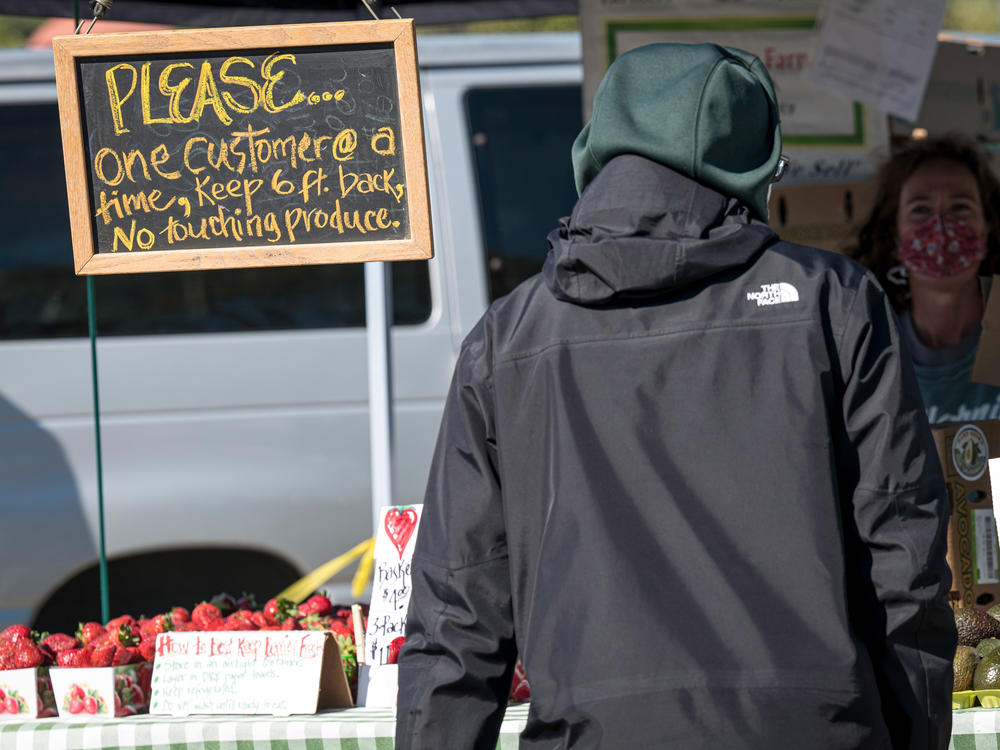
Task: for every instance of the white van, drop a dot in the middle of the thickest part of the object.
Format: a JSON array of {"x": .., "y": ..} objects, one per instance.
[{"x": 234, "y": 423}]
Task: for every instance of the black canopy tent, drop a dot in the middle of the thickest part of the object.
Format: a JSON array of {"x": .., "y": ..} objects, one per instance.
[{"x": 252, "y": 12}]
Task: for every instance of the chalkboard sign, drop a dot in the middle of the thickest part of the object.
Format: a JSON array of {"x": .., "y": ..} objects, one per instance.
[{"x": 262, "y": 146}]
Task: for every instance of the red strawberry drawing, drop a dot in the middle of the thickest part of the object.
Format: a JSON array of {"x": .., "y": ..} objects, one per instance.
[
  {"x": 75, "y": 706},
  {"x": 399, "y": 524},
  {"x": 394, "y": 645},
  {"x": 90, "y": 704},
  {"x": 13, "y": 705}
]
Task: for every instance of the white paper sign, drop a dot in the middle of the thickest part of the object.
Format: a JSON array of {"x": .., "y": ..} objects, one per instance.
[
  {"x": 991, "y": 562},
  {"x": 828, "y": 137},
  {"x": 274, "y": 672},
  {"x": 879, "y": 51},
  {"x": 394, "y": 540}
]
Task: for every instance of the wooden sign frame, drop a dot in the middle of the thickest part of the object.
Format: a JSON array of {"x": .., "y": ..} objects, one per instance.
[{"x": 70, "y": 50}]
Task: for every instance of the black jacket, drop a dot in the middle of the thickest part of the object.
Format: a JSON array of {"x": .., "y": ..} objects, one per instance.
[{"x": 686, "y": 474}]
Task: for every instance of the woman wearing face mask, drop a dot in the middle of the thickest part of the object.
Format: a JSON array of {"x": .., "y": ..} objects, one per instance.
[{"x": 931, "y": 239}]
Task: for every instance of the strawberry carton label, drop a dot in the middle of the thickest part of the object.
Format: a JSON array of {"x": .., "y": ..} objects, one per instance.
[
  {"x": 26, "y": 694},
  {"x": 276, "y": 673},
  {"x": 101, "y": 692},
  {"x": 394, "y": 541}
]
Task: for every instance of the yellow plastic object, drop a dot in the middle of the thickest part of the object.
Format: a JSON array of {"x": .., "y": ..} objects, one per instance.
[
  {"x": 988, "y": 698},
  {"x": 963, "y": 699},
  {"x": 299, "y": 590}
]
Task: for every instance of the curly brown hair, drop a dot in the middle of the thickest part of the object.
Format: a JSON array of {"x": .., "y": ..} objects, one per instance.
[{"x": 876, "y": 241}]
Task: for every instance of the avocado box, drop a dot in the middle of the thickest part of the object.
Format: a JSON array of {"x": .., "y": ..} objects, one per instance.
[{"x": 965, "y": 449}]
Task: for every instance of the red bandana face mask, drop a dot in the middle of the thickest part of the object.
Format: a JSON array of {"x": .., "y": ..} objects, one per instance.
[{"x": 941, "y": 247}]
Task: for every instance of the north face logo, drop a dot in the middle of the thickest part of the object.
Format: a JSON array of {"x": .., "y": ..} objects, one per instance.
[{"x": 774, "y": 294}]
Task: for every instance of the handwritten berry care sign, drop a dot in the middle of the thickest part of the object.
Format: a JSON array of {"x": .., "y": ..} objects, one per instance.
[
  {"x": 394, "y": 540},
  {"x": 275, "y": 672},
  {"x": 258, "y": 146}
]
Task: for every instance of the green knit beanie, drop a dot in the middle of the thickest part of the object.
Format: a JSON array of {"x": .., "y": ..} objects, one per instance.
[{"x": 706, "y": 111}]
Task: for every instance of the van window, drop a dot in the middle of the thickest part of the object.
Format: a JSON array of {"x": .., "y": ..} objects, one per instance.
[
  {"x": 41, "y": 297},
  {"x": 521, "y": 140}
]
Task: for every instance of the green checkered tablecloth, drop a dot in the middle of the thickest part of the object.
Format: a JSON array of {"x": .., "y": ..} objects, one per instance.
[
  {"x": 975, "y": 729},
  {"x": 347, "y": 729}
]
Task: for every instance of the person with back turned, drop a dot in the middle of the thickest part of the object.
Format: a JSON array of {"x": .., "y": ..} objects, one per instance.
[{"x": 684, "y": 472}]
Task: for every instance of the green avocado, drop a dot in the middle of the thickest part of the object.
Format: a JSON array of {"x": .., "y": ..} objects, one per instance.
[
  {"x": 965, "y": 667},
  {"x": 987, "y": 646},
  {"x": 994, "y": 611},
  {"x": 974, "y": 625},
  {"x": 987, "y": 674}
]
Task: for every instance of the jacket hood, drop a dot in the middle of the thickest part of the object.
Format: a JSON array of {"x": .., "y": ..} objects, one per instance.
[
  {"x": 640, "y": 230},
  {"x": 707, "y": 111}
]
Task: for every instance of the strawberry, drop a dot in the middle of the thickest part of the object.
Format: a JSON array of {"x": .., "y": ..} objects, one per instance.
[
  {"x": 342, "y": 628},
  {"x": 317, "y": 604},
  {"x": 179, "y": 615},
  {"x": 90, "y": 704},
  {"x": 241, "y": 619},
  {"x": 225, "y": 603},
  {"x": 147, "y": 649},
  {"x": 394, "y": 645},
  {"x": 314, "y": 622},
  {"x": 74, "y": 657},
  {"x": 246, "y": 601},
  {"x": 6, "y": 656},
  {"x": 103, "y": 653},
  {"x": 27, "y": 655},
  {"x": 291, "y": 623},
  {"x": 125, "y": 635},
  {"x": 204, "y": 616},
  {"x": 58, "y": 642},
  {"x": 116, "y": 622},
  {"x": 15, "y": 633},
  {"x": 123, "y": 655},
  {"x": 259, "y": 620},
  {"x": 88, "y": 631},
  {"x": 278, "y": 609},
  {"x": 519, "y": 688},
  {"x": 157, "y": 625}
]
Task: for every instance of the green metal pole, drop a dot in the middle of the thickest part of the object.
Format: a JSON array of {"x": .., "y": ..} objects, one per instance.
[
  {"x": 92, "y": 327},
  {"x": 103, "y": 563}
]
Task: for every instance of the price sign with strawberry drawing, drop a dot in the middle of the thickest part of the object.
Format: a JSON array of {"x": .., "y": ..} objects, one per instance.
[{"x": 394, "y": 540}]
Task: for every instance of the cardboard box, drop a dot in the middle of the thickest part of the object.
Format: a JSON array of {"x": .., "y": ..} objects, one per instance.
[
  {"x": 965, "y": 449},
  {"x": 986, "y": 367},
  {"x": 826, "y": 216},
  {"x": 87, "y": 693},
  {"x": 26, "y": 694}
]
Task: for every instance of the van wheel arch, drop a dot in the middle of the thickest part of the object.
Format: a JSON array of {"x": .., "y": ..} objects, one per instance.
[{"x": 149, "y": 583}]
